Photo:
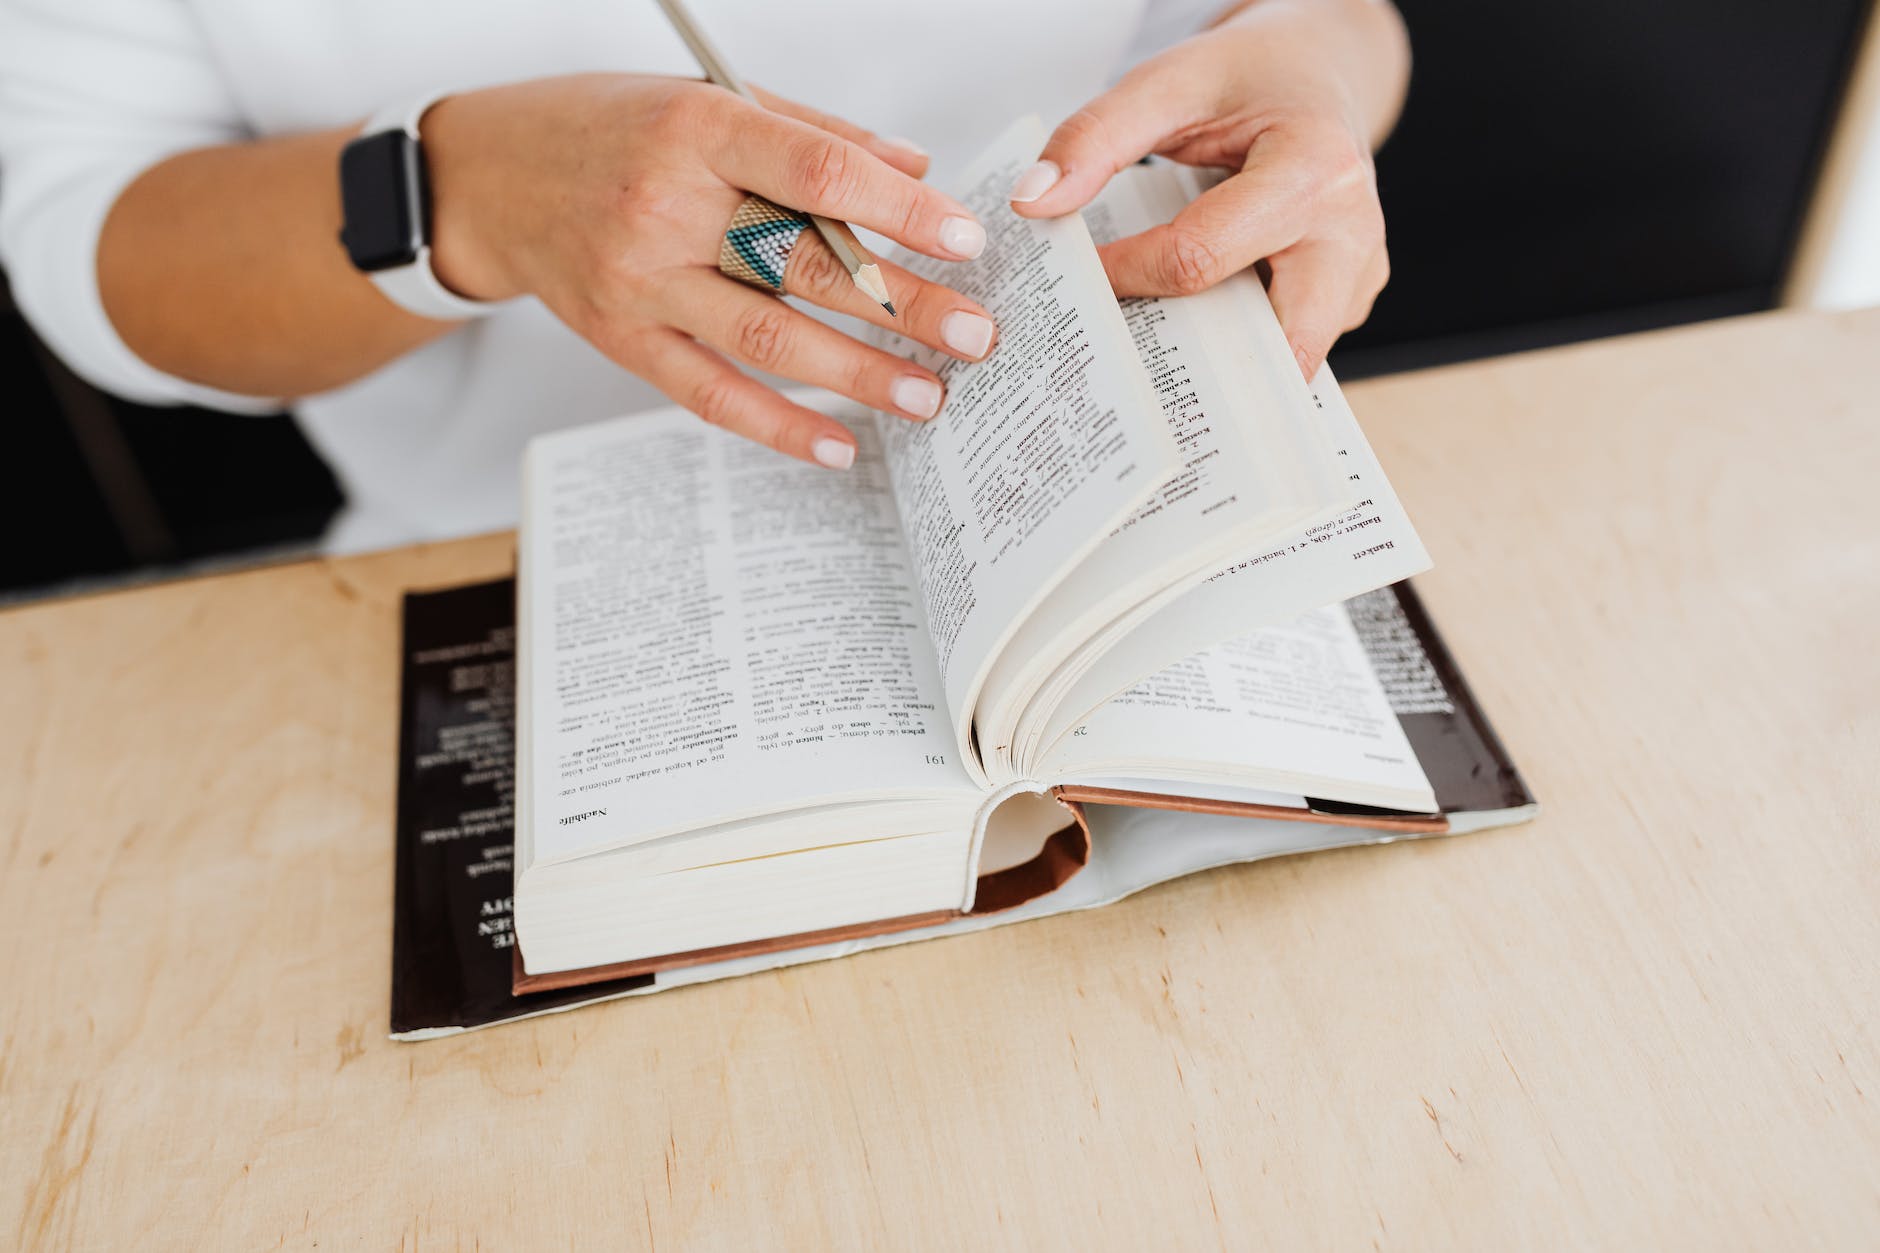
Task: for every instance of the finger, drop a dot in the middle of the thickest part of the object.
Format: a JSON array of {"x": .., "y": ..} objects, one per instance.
[
  {"x": 1118, "y": 128},
  {"x": 903, "y": 154},
  {"x": 1370, "y": 283},
  {"x": 1313, "y": 288},
  {"x": 928, "y": 313},
  {"x": 1247, "y": 218},
  {"x": 762, "y": 331},
  {"x": 704, "y": 382},
  {"x": 806, "y": 168}
]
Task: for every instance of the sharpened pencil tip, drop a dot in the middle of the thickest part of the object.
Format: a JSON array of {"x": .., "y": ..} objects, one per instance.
[{"x": 868, "y": 278}]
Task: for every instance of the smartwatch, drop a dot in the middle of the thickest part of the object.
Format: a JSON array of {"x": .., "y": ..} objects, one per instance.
[{"x": 385, "y": 198}]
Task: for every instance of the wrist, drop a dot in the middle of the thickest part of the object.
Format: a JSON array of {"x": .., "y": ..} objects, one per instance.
[{"x": 461, "y": 256}]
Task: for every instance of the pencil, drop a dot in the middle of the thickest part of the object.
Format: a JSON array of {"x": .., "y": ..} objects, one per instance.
[{"x": 863, "y": 269}]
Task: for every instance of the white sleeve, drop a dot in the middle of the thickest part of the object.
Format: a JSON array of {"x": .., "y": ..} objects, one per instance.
[
  {"x": 92, "y": 94},
  {"x": 1166, "y": 23}
]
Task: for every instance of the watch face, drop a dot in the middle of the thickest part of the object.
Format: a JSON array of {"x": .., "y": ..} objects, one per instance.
[{"x": 382, "y": 194}]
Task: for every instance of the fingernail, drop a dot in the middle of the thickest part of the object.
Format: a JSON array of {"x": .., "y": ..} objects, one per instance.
[
  {"x": 963, "y": 237},
  {"x": 905, "y": 145},
  {"x": 966, "y": 333},
  {"x": 1305, "y": 363},
  {"x": 835, "y": 453},
  {"x": 1035, "y": 182},
  {"x": 915, "y": 395}
]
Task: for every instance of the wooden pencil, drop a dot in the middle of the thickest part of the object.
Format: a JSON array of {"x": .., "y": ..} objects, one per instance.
[{"x": 863, "y": 269}]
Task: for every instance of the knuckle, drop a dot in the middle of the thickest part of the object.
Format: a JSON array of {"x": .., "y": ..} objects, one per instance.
[
  {"x": 643, "y": 200},
  {"x": 680, "y": 111},
  {"x": 617, "y": 274},
  {"x": 815, "y": 268},
  {"x": 912, "y": 216},
  {"x": 862, "y": 381},
  {"x": 594, "y": 324},
  {"x": 1345, "y": 163},
  {"x": 1362, "y": 302},
  {"x": 823, "y": 173},
  {"x": 1081, "y": 132},
  {"x": 775, "y": 433},
  {"x": 763, "y": 335},
  {"x": 620, "y": 338},
  {"x": 1367, "y": 232},
  {"x": 916, "y": 301},
  {"x": 1191, "y": 263},
  {"x": 716, "y": 400},
  {"x": 1316, "y": 339},
  {"x": 1370, "y": 286}
]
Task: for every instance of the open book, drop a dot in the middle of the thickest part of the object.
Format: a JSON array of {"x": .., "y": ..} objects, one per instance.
[
  {"x": 454, "y": 964},
  {"x": 760, "y": 704}
]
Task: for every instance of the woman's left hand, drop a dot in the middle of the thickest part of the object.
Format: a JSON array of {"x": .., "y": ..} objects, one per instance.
[{"x": 1291, "y": 94}]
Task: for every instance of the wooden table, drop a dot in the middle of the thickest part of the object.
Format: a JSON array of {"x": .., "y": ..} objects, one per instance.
[{"x": 1648, "y": 1020}]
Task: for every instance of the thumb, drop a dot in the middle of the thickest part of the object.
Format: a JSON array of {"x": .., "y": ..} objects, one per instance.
[{"x": 1117, "y": 129}]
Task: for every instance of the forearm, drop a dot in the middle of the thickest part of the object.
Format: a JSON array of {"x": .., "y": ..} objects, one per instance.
[
  {"x": 223, "y": 266},
  {"x": 1362, "y": 42}
]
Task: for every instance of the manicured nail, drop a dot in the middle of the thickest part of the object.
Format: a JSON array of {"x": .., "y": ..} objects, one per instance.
[
  {"x": 915, "y": 396},
  {"x": 835, "y": 453},
  {"x": 966, "y": 333},
  {"x": 905, "y": 145},
  {"x": 963, "y": 237},
  {"x": 1035, "y": 182}
]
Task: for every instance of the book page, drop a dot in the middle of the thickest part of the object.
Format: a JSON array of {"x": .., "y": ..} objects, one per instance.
[
  {"x": 1368, "y": 546},
  {"x": 1218, "y": 360},
  {"x": 1040, "y": 450},
  {"x": 713, "y": 631},
  {"x": 1256, "y": 459},
  {"x": 1228, "y": 386},
  {"x": 1297, "y": 703}
]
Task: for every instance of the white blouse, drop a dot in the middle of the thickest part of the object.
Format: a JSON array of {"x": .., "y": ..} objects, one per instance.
[{"x": 92, "y": 92}]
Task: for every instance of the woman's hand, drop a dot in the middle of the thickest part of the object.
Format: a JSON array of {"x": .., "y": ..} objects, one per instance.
[
  {"x": 607, "y": 196},
  {"x": 1289, "y": 93}
]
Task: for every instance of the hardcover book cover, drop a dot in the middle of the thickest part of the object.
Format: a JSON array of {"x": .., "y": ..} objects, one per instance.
[{"x": 451, "y": 936}]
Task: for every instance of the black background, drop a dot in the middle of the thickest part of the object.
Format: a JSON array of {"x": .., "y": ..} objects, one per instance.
[{"x": 1564, "y": 171}]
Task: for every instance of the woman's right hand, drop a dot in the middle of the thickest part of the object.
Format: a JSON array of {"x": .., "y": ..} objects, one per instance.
[{"x": 607, "y": 195}]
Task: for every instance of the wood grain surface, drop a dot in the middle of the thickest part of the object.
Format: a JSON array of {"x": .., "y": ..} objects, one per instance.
[{"x": 1647, "y": 1020}]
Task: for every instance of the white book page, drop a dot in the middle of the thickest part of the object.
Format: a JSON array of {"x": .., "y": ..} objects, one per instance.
[
  {"x": 1257, "y": 462},
  {"x": 1040, "y": 450},
  {"x": 1252, "y": 446},
  {"x": 711, "y": 631},
  {"x": 1296, "y": 705},
  {"x": 1367, "y": 547}
]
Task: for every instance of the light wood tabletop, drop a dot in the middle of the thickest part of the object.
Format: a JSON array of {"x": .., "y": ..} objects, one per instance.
[{"x": 1647, "y": 1020}]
